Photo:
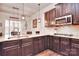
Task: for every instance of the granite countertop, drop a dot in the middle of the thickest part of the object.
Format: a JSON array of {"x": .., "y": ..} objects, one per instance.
[
  {"x": 73, "y": 37},
  {"x": 18, "y": 38},
  {"x": 31, "y": 36}
]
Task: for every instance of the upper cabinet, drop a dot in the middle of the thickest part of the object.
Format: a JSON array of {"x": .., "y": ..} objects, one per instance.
[
  {"x": 63, "y": 9},
  {"x": 49, "y": 17},
  {"x": 52, "y": 16},
  {"x": 63, "y": 14},
  {"x": 68, "y": 8},
  {"x": 59, "y": 8},
  {"x": 71, "y": 9},
  {"x": 76, "y": 20}
]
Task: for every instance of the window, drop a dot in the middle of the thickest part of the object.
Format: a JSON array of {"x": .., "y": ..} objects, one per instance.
[{"x": 12, "y": 26}]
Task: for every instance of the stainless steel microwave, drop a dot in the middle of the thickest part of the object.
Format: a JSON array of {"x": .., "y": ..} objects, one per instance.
[{"x": 64, "y": 20}]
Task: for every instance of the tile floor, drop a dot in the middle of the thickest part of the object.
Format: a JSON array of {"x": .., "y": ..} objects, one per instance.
[{"x": 48, "y": 53}]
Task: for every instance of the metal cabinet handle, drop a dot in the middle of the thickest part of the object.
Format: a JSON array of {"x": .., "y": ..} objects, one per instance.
[{"x": 26, "y": 44}]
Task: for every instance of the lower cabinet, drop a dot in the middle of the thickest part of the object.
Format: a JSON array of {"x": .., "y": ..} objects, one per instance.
[
  {"x": 27, "y": 47},
  {"x": 13, "y": 51},
  {"x": 46, "y": 42},
  {"x": 0, "y": 53},
  {"x": 32, "y": 46},
  {"x": 35, "y": 46},
  {"x": 51, "y": 43},
  {"x": 0, "y": 48},
  {"x": 56, "y": 44},
  {"x": 74, "y": 47},
  {"x": 65, "y": 46},
  {"x": 41, "y": 44},
  {"x": 38, "y": 44},
  {"x": 10, "y": 48}
]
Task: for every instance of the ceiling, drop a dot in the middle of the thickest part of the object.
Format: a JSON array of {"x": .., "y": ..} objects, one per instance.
[{"x": 29, "y": 8}]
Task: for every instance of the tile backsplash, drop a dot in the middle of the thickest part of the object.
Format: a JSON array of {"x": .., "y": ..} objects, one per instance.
[{"x": 71, "y": 29}]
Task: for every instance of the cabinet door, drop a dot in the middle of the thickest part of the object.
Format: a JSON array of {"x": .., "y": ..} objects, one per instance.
[
  {"x": 52, "y": 16},
  {"x": 10, "y": 51},
  {"x": 10, "y": 48},
  {"x": 0, "y": 53},
  {"x": 76, "y": 20},
  {"x": 47, "y": 19},
  {"x": 27, "y": 49},
  {"x": 51, "y": 43},
  {"x": 35, "y": 45},
  {"x": 67, "y": 8},
  {"x": 74, "y": 47},
  {"x": 59, "y": 9},
  {"x": 56, "y": 44},
  {"x": 0, "y": 48},
  {"x": 41, "y": 44},
  {"x": 65, "y": 46},
  {"x": 46, "y": 42}
]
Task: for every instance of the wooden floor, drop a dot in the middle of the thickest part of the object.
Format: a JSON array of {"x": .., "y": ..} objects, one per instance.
[{"x": 48, "y": 53}]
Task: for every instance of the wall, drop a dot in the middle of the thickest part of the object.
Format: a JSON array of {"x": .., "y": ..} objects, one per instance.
[
  {"x": 41, "y": 26},
  {"x": 72, "y": 29},
  {"x": 44, "y": 30},
  {"x": 5, "y": 16}
]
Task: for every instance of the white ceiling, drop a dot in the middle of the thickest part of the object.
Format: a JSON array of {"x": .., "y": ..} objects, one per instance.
[{"x": 29, "y": 8}]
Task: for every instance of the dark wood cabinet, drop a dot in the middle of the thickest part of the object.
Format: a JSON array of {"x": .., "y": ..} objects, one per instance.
[
  {"x": 10, "y": 48},
  {"x": 32, "y": 46},
  {"x": 27, "y": 47},
  {"x": 41, "y": 44},
  {"x": 0, "y": 53},
  {"x": 46, "y": 42},
  {"x": 59, "y": 8},
  {"x": 10, "y": 51},
  {"x": 63, "y": 9},
  {"x": 38, "y": 44},
  {"x": 51, "y": 43},
  {"x": 76, "y": 17},
  {"x": 56, "y": 43},
  {"x": 52, "y": 14},
  {"x": 47, "y": 18},
  {"x": 50, "y": 17},
  {"x": 71, "y": 9},
  {"x": 24, "y": 47},
  {"x": 65, "y": 46},
  {"x": 35, "y": 46},
  {"x": 68, "y": 8},
  {"x": 74, "y": 47},
  {"x": 0, "y": 48}
]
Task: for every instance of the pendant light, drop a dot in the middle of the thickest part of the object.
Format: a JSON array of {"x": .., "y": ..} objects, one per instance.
[
  {"x": 13, "y": 18},
  {"x": 23, "y": 17},
  {"x": 39, "y": 19}
]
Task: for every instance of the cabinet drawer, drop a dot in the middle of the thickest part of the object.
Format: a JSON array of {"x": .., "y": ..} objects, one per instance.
[
  {"x": 26, "y": 40},
  {"x": 75, "y": 41},
  {"x": 27, "y": 44},
  {"x": 10, "y": 43},
  {"x": 10, "y": 51},
  {"x": 74, "y": 51}
]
